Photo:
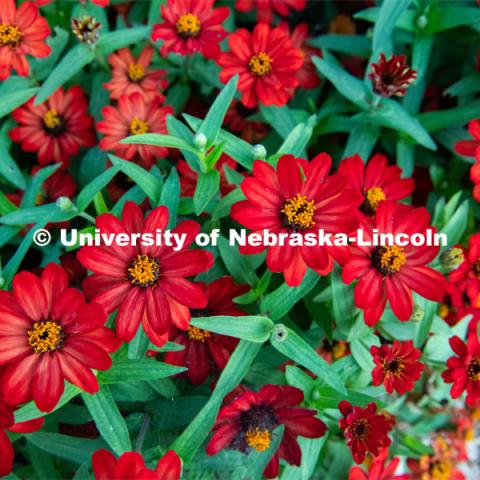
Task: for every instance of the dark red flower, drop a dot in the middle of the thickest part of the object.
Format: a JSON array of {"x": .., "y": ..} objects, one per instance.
[
  {"x": 266, "y": 8},
  {"x": 248, "y": 421},
  {"x": 191, "y": 26},
  {"x": 376, "y": 181},
  {"x": 366, "y": 430},
  {"x": 48, "y": 335},
  {"x": 206, "y": 352},
  {"x": 379, "y": 469},
  {"x": 396, "y": 366},
  {"x": 391, "y": 77},
  {"x": 390, "y": 273},
  {"x": 469, "y": 148},
  {"x": 56, "y": 129},
  {"x": 131, "y": 466},
  {"x": 237, "y": 120},
  {"x": 298, "y": 197},
  {"x": 146, "y": 283},
  {"x": 75, "y": 270},
  {"x": 266, "y": 62},
  {"x": 456, "y": 305},
  {"x": 22, "y": 32}
]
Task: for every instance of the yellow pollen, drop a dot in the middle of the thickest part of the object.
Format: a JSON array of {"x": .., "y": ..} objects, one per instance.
[
  {"x": 443, "y": 310},
  {"x": 52, "y": 119},
  {"x": 138, "y": 126},
  {"x": 188, "y": 25},
  {"x": 473, "y": 369},
  {"x": 374, "y": 196},
  {"x": 339, "y": 350},
  {"x": 298, "y": 213},
  {"x": 392, "y": 258},
  {"x": 198, "y": 334},
  {"x": 10, "y": 35},
  {"x": 135, "y": 72},
  {"x": 46, "y": 336},
  {"x": 144, "y": 271},
  {"x": 260, "y": 64},
  {"x": 441, "y": 471},
  {"x": 258, "y": 439}
]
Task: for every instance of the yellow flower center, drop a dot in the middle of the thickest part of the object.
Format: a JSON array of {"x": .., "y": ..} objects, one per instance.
[
  {"x": 135, "y": 72},
  {"x": 473, "y": 369},
  {"x": 46, "y": 336},
  {"x": 374, "y": 196},
  {"x": 144, "y": 271},
  {"x": 138, "y": 126},
  {"x": 188, "y": 25},
  {"x": 297, "y": 213},
  {"x": 441, "y": 471},
  {"x": 260, "y": 64},
  {"x": 258, "y": 439},
  {"x": 443, "y": 310},
  {"x": 388, "y": 260},
  {"x": 52, "y": 119},
  {"x": 198, "y": 334},
  {"x": 339, "y": 350},
  {"x": 10, "y": 35}
]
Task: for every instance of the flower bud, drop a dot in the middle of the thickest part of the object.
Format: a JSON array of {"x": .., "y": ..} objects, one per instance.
[
  {"x": 86, "y": 29},
  {"x": 200, "y": 140},
  {"x": 279, "y": 332},
  {"x": 64, "y": 204},
  {"x": 417, "y": 314},
  {"x": 450, "y": 259},
  {"x": 421, "y": 22},
  {"x": 259, "y": 152}
]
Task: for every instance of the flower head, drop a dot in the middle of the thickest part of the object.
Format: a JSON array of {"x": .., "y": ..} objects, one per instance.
[
  {"x": 267, "y": 8},
  {"x": 391, "y": 77},
  {"x": 379, "y": 469},
  {"x": 86, "y": 29}
]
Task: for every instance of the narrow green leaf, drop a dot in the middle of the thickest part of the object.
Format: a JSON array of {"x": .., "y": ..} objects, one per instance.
[
  {"x": 29, "y": 215},
  {"x": 465, "y": 86},
  {"x": 86, "y": 196},
  {"x": 361, "y": 140},
  {"x": 8, "y": 167},
  {"x": 159, "y": 140},
  {"x": 433, "y": 121},
  {"x": 238, "y": 265},
  {"x": 357, "y": 45},
  {"x": 206, "y": 189},
  {"x": 342, "y": 299},
  {"x": 111, "y": 41},
  {"x": 170, "y": 196},
  {"x": 425, "y": 324},
  {"x": 297, "y": 140},
  {"x": 9, "y": 101}
]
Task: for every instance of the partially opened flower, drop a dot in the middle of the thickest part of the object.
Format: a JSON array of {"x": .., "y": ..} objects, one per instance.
[
  {"x": 247, "y": 424},
  {"x": 147, "y": 283},
  {"x": 391, "y": 77},
  {"x": 379, "y": 469},
  {"x": 191, "y": 26},
  {"x": 267, "y": 8},
  {"x": 131, "y": 466},
  {"x": 50, "y": 335}
]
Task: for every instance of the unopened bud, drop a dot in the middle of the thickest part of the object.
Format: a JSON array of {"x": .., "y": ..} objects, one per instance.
[
  {"x": 279, "y": 332},
  {"x": 200, "y": 140},
  {"x": 86, "y": 29},
  {"x": 417, "y": 314},
  {"x": 259, "y": 152},
  {"x": 421, "y": 22},
  {"x": 64, "y": 204},
  {"x": 451, "y": 258}
]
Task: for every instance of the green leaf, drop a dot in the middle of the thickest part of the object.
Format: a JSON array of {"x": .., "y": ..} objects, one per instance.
[
  {"x": 87, "y": 195},
  {"x": 425, "y": 324},
  {"x": 41, "y": 67},
  {"x": 29, "y": 215},
  {"x": 433, "y": 121},
  {"x": 8, "y": 167},
  {"x": 361, "y": 140},
  {"x": 111, "y": 41},
  {"x": 159, "y": 140},
  {"x": 170, "y": 196},
  {"x": 445, "y": 17},
  {"x": 457, "y": 224},
  {"x": 342, "y": 298},
  {"x": 329, "y": 398},
  {"x": 465, "y": 86},
  {"x": 6, "y": 206},
  {"x": 36, "y": 183},
  {"x": 360, "y": 348},
  {"x": 297, "y": 140},
  {"x": 238, "y": 265},
  {"x": 280, "y": 118},
  {"x": 206, "y": 189},
  {"x": 223, "y": 207},
  {"x": 357, "y": 45},
  {"x": 9, "y": 101}
]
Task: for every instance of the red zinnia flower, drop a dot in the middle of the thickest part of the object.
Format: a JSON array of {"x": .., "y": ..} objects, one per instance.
[
  {"x": 133, "y": 116},
  {"x": 22, "y": 32},
  {"x": 391, "y": 77},
  {"x": 470, "y": 148},
  {"x": 379, "y": 469},
  {"x": 147, "y": 282},
  {"x": 237, "y": 120},
  {"x": 49, "y": 335},
  {"x": 464, "y": 369},
  {"x": 392, "y": 272},
  {"x": 206, "y": 352},
  {"x": 248, "y": 422},
  {"x": 376, "y": 181},
  {"x": 266, "y": 62},
  {"x": 366, "y": 430},
  {"x": 131, "y": 466},
  {"x": 130, "y": 75},
  {"x": 298, "y": 197},
  {"x": 396, "y": 366},
  {"x": 57, "y": 128},
  {"x": 191, "y": 26},
  {"x": 266, "y": 8}
]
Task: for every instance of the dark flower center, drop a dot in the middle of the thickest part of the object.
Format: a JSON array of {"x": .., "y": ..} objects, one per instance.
[
  {"x": 360, "y": 429},
  {"x": 473, "y": 369},
  {"x": 373, "y": 197},
  {"x": 297, "y": 213},
  {"x": 54, "y": 123},
  {"x": 144, "y": 271},
  {"x": 476, "y": 268},
  {"x": 388, "y": 260},
  {"x": 188, "y": 25},
  {"x": 394, "y": 367},
  {"x": 46, "y": 336},
  {"x": 10, "y": 35}
]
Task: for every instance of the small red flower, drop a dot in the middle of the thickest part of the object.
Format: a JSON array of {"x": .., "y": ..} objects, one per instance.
[
  {"x": 191, "y": 26},
  {"x": 390, "y": 273},
  {"x": 266, "y": 8},
  {"x": 464, "y": 369},
  {"x": 247, "y": 424},
  {"x": 266, "y": 62},
  {"x": 469, "y": 148},
  {"x": 22, "y": 32},
  {"x": 146, "y": 283},
  {"x": 206, "y": 352},
  {"x": 131, "y": 466},
  {"x": 52, "y": 336},
  {"x": 391, "y": 77},
  {"x": 237, "y": 120},
  {"x": 56, "y": 129},
  {"x": 133, "y": 116},
  {"x": 376, "y": 181},
  {"x": 396, "y": 366},
  {"x": 130, "y": 75},
  {"x": 366, "y": 430},
  {"x": 298, "y": 197},
  {"x": 379, "y": 469}
]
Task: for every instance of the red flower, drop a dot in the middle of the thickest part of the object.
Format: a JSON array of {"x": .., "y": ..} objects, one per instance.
[
  {"x": 378, "y": 470},
  {"x": 396, "y": 366},
  {"x": 100, "y": 3},
  {"x": 131, "y": 466},
  {"x": 237, "y": 120},
  {"x": 464, "y": 369},
  {"x": 248, "y": 421},
  {"x": 22, "y": 32},
  {"x": 133, "y": 116},
  {"x": 469, "y": 148},
  {"x": 391, "y": 77},
  {"x": 297, "y": 198},
  {"x": 130, "y": 75},
  {"x": 191, "y": 26},
  {"x": 392, "y": 272},
  {"x": 266, "y": 8},
  {"x": 206, "y": 352},
  {"x": 49, "y": 335},
  {"x": 366, "y": 430},
  {"x": 57, "y": 128},
  {"x": 146, "y": 283},
  {"x": 456, "y": 305},
  {"x": 376, "y": 181},
  {"x": 266, "y": 62}
]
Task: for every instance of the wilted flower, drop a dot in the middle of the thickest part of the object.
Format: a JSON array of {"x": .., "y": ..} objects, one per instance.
[
  {"x": 86, "y": 29},
  {"x": 391, "y": 77}
]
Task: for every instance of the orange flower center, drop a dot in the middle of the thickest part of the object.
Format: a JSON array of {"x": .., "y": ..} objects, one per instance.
[
  {"x": 473, "y": 369},
  {"x": 198, "y": 334},
  {"x": 388, "y": 260},
  {"x": 342, "y": 25},
  {"x": 136, "y": 72},
  {"x": 298, "y": 212},
  {"x": 52, "y": 119},
  {"x": 138, "y": 126},
  {"x": 393, "y": 367},
  {"x": 10, "y": 35},
  {"x": 46, "y": 336},
  {"x": 374, "y": 196},
  {"x": 260, "y": 64},
  {"x": 258, "y": 439},
  {"x": 188, "y": 25},
  {"x": 144, "y": 271},
  {"x": 441, "y": 470}
]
